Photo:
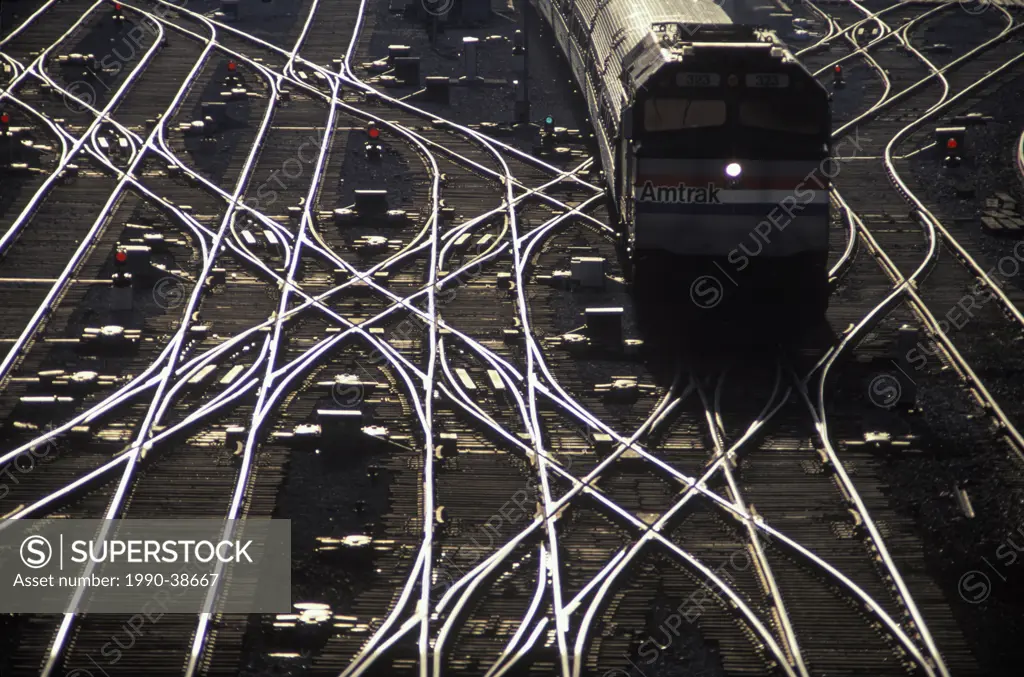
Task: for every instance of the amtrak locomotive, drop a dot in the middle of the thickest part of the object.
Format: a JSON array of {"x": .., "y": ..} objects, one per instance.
[{"x": 715, "y": 143}]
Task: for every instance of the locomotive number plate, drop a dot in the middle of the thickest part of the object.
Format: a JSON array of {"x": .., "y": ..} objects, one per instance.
[
  {"x": 767, "y": 80},
  {"x": 698, "y": 79}
]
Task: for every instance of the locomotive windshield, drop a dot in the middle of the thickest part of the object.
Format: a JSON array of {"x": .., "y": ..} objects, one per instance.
[
  {"x": 670, "y": 114},
  {"x": 781, "y": 114}
]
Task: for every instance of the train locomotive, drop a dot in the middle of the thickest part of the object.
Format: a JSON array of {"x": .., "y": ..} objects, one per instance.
[{"x": 715, "y": 142}]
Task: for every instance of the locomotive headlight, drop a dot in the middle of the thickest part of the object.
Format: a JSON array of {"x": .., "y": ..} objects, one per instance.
[{"x": 733, "y": 170}]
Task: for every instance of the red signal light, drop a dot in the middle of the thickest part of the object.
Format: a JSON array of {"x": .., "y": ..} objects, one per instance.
[
  {"x": 839, "y": 69},
  {"x": 121, "y": 256},
  {"x": 117, "y": 6},
  {"x": 951, "y": 144},
  {"x": 232, "y": 65},
  {"x": 5, "y": 118},
  {"x": 373, "y": 132}
]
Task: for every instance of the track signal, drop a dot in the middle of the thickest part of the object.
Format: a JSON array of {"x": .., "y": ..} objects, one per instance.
[
  {"x": 837, "y": 76},
  {"x": 120, "y": 257},
  {"x": 950, "y": 143},
  {"x": 234, "y": 76},
  {"x": 5, "y": 120},
  {"x": 547, "y": 137},
  {"x": 373, "y": 148}
]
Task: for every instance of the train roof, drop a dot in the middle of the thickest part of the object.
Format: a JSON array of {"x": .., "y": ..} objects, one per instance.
[
  {"x": 618, "y": 26},
  {"x": 642, "y": 14},
  {"x": 676, "y": 41}
]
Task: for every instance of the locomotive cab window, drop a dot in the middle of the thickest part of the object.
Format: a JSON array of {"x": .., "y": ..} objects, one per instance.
[
  {"x": 780, "y": 115},
  {"x": 666, "y": 115}
]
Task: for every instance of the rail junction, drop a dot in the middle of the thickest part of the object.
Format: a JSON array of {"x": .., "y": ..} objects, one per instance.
[{"x": 311, "y": 268}]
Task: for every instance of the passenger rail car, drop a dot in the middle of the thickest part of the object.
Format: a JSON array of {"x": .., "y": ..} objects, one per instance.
[{"x": 715, "y": 142}]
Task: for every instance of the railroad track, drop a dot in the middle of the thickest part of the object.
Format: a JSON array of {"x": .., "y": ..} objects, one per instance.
[
  {"x": 295, "y": 296},
  {"x": 892, "y": 243}
]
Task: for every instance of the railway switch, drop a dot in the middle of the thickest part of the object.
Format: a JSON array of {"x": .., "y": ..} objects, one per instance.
[
  {"x": 438, "y": 89},
  {"x": 407, "y": 70},
  {"x": 234, "y": 434},
  {"x": 371, "y": 202},
  {"x": 446, "y": 445},
  {"x": 40, "y": 408},
  {"x": 69, "y": 173},
  {"x": 77, "y": 383},
  {"x": 304, "y": 436},
  {"x": 344, "y": 216},
  {"x": 340, "y": 420},
  {"x": 604, "y": 325},
  {"x": 623, "y": 390},
  {"x": 110, "y": 336},
  {"x": 603, "y": 443},
  {"x": 370, "y": 244},
  {"x": 398, "y": 51},
  {"x": 587, "y": 271}
]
